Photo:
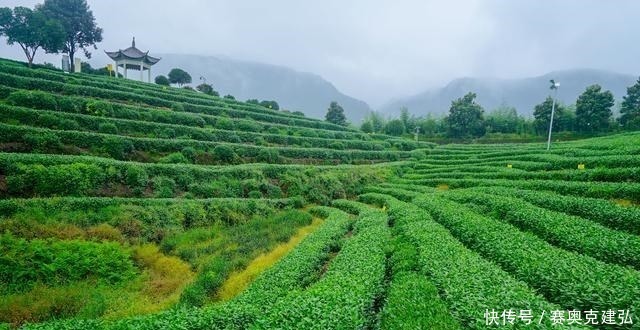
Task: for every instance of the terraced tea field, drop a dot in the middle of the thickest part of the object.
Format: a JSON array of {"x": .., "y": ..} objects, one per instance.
[{"x": 127, "y": 205}]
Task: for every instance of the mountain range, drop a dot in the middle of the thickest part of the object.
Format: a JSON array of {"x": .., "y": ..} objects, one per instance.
[
  {"x": 293, "y": 90},
  {"x": 311, "y": 94},
  {"x": 523, "y": 94}
]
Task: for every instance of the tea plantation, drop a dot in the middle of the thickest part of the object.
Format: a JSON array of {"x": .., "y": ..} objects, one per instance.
[{"x": 127, "y": 205}]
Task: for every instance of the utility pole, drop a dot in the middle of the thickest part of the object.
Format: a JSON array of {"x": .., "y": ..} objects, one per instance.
[{"x": 554, "y": 87}]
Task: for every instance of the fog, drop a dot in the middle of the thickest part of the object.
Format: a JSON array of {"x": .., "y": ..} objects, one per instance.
[{"x": 378, "y": 50}]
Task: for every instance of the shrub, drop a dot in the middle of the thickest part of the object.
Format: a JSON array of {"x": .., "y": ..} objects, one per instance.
[
  {"x": 98, "y": 108},
  {"x": 189, "y": 153},
  {"x": 268, "y": 156},
  {"x": 108, "y": 128},
  {"x": 175, "y": 158},
  {"x": 163, "y": 187},
  {"x": 104, "y": 232},
  {"x": 33, "y": 99},
  {"x": 225, "y": 154},
  {"x": 224, "y": 123},
  {"x": 254, "y": 194},
  {"x": 117, "y": 147},
  {"x": 136, "y": 178},
  {"x": 42, "y": 143}
]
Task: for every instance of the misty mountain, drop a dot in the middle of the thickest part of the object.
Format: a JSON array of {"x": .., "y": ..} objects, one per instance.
[
  {"x": 523, "y": 94},
  {"x": 293, "y": 90}
]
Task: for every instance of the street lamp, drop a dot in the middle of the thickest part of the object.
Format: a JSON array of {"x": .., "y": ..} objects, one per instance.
[{"x": 554, "y": 87}]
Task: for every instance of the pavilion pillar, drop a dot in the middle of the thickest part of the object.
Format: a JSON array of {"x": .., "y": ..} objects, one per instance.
[
  {"x": 141, "y": 72},
  {"x": 125, "y": 69},
  {"x": 149, "y": 74},
  {"x": 116, "y": 69}
]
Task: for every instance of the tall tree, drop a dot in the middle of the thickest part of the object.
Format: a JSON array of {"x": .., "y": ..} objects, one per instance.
[
  {"x": 404, "y": 116},
  {"x": 630, "y": 108},
  {"x": 179, "y": 76},
  {"x": 377, "y": 121},
  {"x": 466, "y": 118},
  {"x": 504, "y": 119},
  {"x": 79, "y": 25},
  {"x": 593, "y": 109},
  {"x": 32, "y": 30},
  {"x": 335, "y": 114},
  {"x": 542, "y": 115},
  {"x": 394, "y": 127},
  {"x": 366, "y": 126}
]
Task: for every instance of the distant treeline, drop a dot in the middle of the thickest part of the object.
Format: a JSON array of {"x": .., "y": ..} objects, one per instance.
[{"x": 590, "y": 115}]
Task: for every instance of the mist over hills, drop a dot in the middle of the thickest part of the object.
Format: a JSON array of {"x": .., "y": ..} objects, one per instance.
[
  {"x": 523, "y": 93},
  {"x": 311, "y": 94},
  {"x": 293, "y": 90}
]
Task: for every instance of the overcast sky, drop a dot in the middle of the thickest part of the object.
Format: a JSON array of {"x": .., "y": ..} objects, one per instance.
[{"x": 377, "y": 50}]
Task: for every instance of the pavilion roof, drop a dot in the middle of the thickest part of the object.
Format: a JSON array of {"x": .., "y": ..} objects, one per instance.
[{"x": 133, "y": 53}]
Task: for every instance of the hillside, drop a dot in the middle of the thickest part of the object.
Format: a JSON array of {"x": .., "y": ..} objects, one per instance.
[
  {"x": 127, "y": 205},
  {"x": 293, "y": 90},
  {"x": 523, "y": 94}
]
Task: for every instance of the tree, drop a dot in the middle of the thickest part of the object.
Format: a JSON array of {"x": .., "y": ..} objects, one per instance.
[
  {"x": 335, "y": 114},
  {"x": 542, "y": 115},
  {"x": 630, "y": 108},
  {"x": 206, "y": 89},
  {"x": 179, "y": 76},
  {"x": 162, "y": 80},
  {"x": 593, "y": 110},
  {"x": 253, "y": 101},
  {"x": 504, "y": 119},
  {"x": 367, "y": 127},
  {"x": 81, "y": 30},
  {"x": 270, "y": 105},
  {"x": 32, "y": 30},
  {"x": 394, "y": 127},
  {"x": 465, "y": 118},
  {"x": 404, "y": 116}
]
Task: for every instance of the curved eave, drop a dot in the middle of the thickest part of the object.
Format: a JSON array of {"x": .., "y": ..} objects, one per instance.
[{"x": 119, "y": 55}]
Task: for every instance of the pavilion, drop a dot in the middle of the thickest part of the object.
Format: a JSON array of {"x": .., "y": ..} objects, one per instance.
[{"x": 135, "y": 59}]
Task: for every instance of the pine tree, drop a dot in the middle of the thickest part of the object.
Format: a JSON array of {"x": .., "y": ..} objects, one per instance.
[
  {"x": 335, "y": 114},
  {"x": 630, "y": 108}
]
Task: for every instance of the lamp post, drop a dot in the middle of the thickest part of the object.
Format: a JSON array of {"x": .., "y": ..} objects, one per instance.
[{"x": 554, "y": 87}]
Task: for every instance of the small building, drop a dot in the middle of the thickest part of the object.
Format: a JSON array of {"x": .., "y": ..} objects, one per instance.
[{"x": 133, "y": 58}]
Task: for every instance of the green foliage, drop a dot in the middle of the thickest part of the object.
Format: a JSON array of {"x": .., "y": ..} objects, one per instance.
[
  {"x": 529, "y": 258},
  {"x": 465, "y": 119},
  {"x": 57, "y": 180},
  {"x": 273, "y": 105},
  {"x": 108, "y": 128},
  {"x": 335, "y": 114},
  {"x": 366, "y": 127},
  {"x": 32, "y": 30},
  {"x": 78, "y": 23},
  {"x": 542, "y": 115},
  {"x": 162, "y": 80},
  {"x": 630, "y": 107},
  {"x": 268, "y": 156},
  {"x": 224, "y": 154},
  {"x": 33, "y": 99},
  {"x": 593, "y": 110},
  {"x": 395, "y": 127},
  {"x": 179, "y": 77},
  {"x": 42, "y": 143},
  {"x": 24, "y": 263},
  {"x": 207, "y": 89}
]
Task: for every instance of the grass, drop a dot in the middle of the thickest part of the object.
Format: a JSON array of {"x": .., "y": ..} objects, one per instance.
[{"x": 239, "y": 280}]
